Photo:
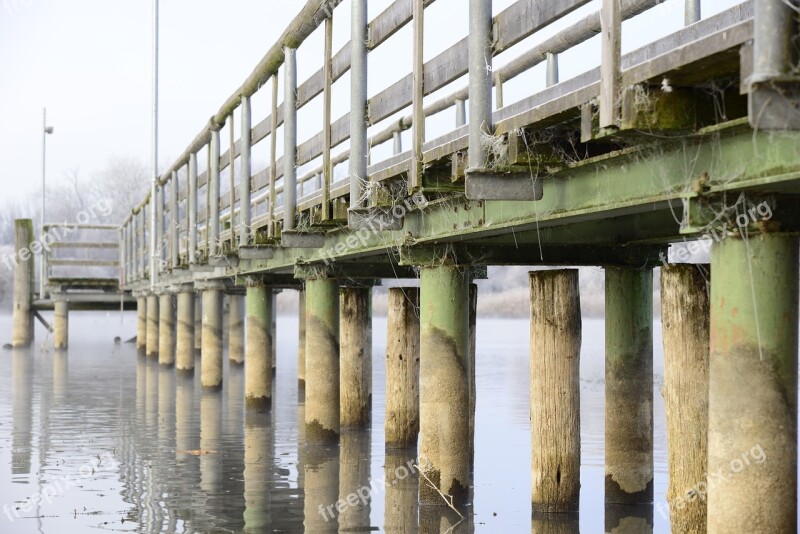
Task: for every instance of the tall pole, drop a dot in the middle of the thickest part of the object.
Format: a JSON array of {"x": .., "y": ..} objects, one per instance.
[
  {"x": 44, "y": 166},
  {"x": 154, "y": 153}
]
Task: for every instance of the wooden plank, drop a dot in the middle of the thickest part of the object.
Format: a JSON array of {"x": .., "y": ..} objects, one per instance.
[
  {"x": 84, "y": 263},
  {"x": 82, "y": 244},
  {"x": 611, "y": 41}
]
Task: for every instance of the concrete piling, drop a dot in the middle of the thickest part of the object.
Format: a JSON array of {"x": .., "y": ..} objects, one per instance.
[
  {"x": 355, "y": 350},
  {"x": 301, "y": 346},
  {"x": 198, "y": 324},
  {"x": 555, "y": 391},
  {"x": 166, "y": 330},
  {"x": 402, "y": 368},
  {"x": 152, "y": 326},
  {"x": 236, "y": 329},
  {"x": 629, "y": 385},
  {"x": 685, "y": 325},
  {"x": 258, "y": 343},
  {"x": 211, "y": 358},
  {"x": 141, "y": 324},
  {"x": 444, "y": 385},
  {"x": 60, "y": 323},
  {"x": 22, "y": 330},
  {"x": 184, "y": 351},
  {"x": 322, "y": 360},
  {"x": 752, "y": 434}
]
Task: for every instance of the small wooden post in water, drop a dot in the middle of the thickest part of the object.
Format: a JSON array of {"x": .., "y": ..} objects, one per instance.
[
  {"x": 685, "y": 325},
  {"x": 236, "y": 329},
  {"x": 555, "y": 390},
  {"x": 166, "y": 330},
  {"x": 258, "y": 344},
  {"x": 186, "y": 330},
  {"x": 152, "y": 325},
  {"x": 355, "y": 346},
  {"x": 22, "y": 335},
  {"x": 60, "y": 323},
  {"x": 301, "y": 346},
  {"x": 402, "y": 368},
  {"x": 141, "y": 323},
  {"x": 211, "y": 357}
]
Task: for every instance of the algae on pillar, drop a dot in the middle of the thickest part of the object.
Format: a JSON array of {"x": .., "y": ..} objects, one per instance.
[
  {"x": 22, "y": 334},
  {"x": 236, "y": 329},
  {"x": 555, "y": 391},
  {"x": 685, "y": 325},
  {"x": 141, "y": 324},
  {"x": 322, "y": 358},
  {"x": 258, "y": 344},
  {"x": 402, "y": 368},
  {"x": 629, "y": 385},
  {"x": 211, "y": 356},
  {"x": 752, "y": 434},
  {"x": 166, "y": 330},
  {"x": 355, "y": 382},
  {"x": 184, "y": 351},
  {"x": 61, "y": 323},
  {"x": 152, "y": 325},
  {"x": 444, "y": 384}
]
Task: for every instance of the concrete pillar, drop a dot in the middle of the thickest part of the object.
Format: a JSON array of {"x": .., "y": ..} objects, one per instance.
[
  {"x": 473, "y": 329},
  {"x": 61, "y": 324},
  {"x": 555, "y": 391},
  {"x": 236, "y": 329},
  {"x": 685, "y": 326},
  {"x": 274, "y": 329},
  {"x": 752, "y": 433},
  {"x": 258, "y": 371},
  {"x": 22, "y": 334},
  {"x": 152, "y": 326},
  {"x": 402, "y": 368},
  {"x": 629, "y": 385},
  {"x": 355, "y": 349},
  {"x": 141, "y": 324},
  {"x": 198, "y": 324},
  {"x": 166, "y": 330},
  {"x": 322, "y": 360},
  {"x": 301, "y": 347},
  {"x": 211, "y": 358},
  {"x": 184, "y": 351},
  {"x": 444, "y": 384}
]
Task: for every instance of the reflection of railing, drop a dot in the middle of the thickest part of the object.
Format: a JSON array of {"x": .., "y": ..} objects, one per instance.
[
  {"x": 81, "y": 254},
  {"x": 197, "y": 219}
]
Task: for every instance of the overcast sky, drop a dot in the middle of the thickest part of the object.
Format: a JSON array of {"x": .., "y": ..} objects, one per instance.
[{"x": 89, "y": 62}]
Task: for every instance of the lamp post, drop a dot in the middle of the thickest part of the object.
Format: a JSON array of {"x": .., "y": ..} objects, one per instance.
[
  {"x": 42, "y": 263},
  {"x": 154, "y": 153}
]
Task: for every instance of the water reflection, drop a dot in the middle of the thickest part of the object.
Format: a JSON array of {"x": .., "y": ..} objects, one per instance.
[
  {"x": 321, "y": 489},
  {"x": 258, "y": 438},
  {"x": 22, "y": 412},
  {"x": 402, "y": 489},
  {"x": 555, "y": 524},
  {"x": 629, "y": 518}
]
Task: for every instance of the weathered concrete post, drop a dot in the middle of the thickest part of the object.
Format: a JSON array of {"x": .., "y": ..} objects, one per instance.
[
  {"x": 141, "y": 324},
  {"x": 355, "y": 346},
  {"x": 22, "y": 335},
  {"x": 60, "y": 322},
  {"x": 322, "y": 358},
  {"x": 211, "y": 357},
  {"x": 166, "y": 330},
  {"x": 236, "y": 329},
  {"x": 752, "y": 434},
  {"x": 444, "y": 384},
  {"x": 152, "y": 326},
  {"x": 629, "y": 385},
  {"x": 301, "y": 346},
  {"x": 555, "y": 391},
  {"x": 258, "y": 343},
  {"x": 685, "y": 325},
  {"x": 402, "y": 368},
  {"x": 186, "y": 322}
]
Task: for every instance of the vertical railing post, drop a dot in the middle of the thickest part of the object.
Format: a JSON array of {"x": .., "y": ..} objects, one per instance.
[
  {"x": 552, "y": 69},
  {"x": 162, "y": 227},
  {"x": 611, "y": 33},
  {"x": 327, "y": 168},
  {"x": 246, "y": 172},
  {"x": 418, "y": 113},
  {"x": 175, "y": 223},
  {"x": 232, "y": 176},
  {"x": 191, "y": 203},
  {"x": 397, "y": 142},
  {"x": 480, "y": 79},
  {"x": 461, "y": 113},
  {"x": 273, "y": 157},
  {"x": 693, "y": 12},
  {"x": 289, "y": 138},
  {"x": 212, "y": 221},
  {"x": 358, "y": 103}
]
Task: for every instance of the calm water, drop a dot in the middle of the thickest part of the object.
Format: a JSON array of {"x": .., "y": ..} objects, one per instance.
[{"x": 100, "y": 439}]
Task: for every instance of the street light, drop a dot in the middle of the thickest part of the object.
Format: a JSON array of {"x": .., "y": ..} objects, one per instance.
[{"x": 45, "y": 131}]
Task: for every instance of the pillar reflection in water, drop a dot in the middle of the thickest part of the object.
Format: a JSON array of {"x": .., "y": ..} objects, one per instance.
[
  {"x": 402, "y": 488},
  {"x": 629, "y": 518},
  {"x": 561, "y": 523},
  {"x": 354, "y": 481},
  {"x": 210, "y": 446},
  {"x": 61, "y": 375},
  {"x": 21, "y": 411},
  {"x": 166, "y": 407},
  {"x": 151, "y": 397},
  {"x": 185, "y": 440},
  {"x": 321, "y": 488},
  {"x": 258, "y": 453}
]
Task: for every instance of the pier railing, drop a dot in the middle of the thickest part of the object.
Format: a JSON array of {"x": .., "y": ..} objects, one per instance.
[
  {"x": 210, "y": 202},
  {"x": 81, "y": 256}
]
